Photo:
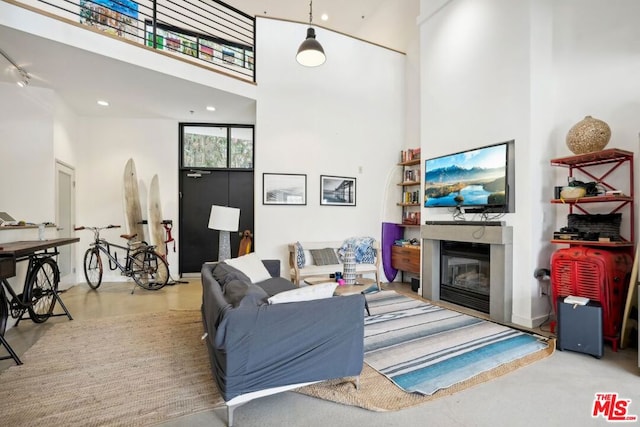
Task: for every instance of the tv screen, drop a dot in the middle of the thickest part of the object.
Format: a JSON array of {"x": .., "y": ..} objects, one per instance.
[{"x": 474, "y": 178}]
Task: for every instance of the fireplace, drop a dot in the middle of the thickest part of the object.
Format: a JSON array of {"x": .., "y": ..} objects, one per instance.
[
  {"x": 494, "y": 239},
  {"x": 465, "y": 274}
]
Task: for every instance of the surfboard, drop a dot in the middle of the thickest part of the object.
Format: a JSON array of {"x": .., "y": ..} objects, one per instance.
[
  {"x": 132, "y": 201},
  {"x": 390, "y": 233},
  {"x": 631, "y": 292},
  {"x": 156, "y": 230}
]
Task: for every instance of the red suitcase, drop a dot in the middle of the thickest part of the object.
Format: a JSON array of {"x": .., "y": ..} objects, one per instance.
[{"x": 599, "y": 274}]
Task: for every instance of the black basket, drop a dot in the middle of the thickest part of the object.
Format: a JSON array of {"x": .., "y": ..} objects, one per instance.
[{"x": 605, "y": 225}]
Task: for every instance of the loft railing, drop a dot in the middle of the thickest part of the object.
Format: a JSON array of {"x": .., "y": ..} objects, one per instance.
[{"x": 210, "y": 33}]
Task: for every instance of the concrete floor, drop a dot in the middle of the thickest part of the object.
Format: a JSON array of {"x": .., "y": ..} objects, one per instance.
[{"x": 557, "y": 391}]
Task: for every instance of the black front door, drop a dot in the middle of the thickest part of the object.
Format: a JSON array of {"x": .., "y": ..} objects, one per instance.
[
  {"x": 216, "y": 169},
  {"x": 198, "y": 243}
]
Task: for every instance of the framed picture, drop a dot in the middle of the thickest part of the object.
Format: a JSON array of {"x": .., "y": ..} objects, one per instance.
[
  {"x": 284, "y": 189},
  {"x": 337, "y": 190}
]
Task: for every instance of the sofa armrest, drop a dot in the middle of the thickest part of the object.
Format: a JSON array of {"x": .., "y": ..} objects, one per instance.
[{"x": 293, "y": 263}]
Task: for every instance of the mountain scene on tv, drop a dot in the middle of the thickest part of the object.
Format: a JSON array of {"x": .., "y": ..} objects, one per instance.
[{"x": 473, "y": 178}]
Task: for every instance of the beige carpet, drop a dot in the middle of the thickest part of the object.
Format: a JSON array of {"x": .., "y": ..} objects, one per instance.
[
  {"x": 144, "y": 369},
  {"x": 133, "y": 370}
]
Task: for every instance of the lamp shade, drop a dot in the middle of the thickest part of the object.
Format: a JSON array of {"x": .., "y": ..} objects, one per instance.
[
  {"x": 224, "y": 218},
  {"x": 310, "y": 52}
]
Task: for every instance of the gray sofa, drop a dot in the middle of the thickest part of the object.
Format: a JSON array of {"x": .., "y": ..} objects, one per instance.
[{"x": 256, "y": 348}]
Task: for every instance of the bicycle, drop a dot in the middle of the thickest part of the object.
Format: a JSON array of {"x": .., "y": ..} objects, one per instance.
[
  {"x": 143, "y": 264},
  {"x": 40, "y": 290}
]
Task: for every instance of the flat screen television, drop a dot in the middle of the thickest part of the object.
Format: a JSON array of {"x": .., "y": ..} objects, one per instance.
[{"x": 480, "y": 179}]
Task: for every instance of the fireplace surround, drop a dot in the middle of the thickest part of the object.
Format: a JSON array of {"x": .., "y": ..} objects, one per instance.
[{"x": 499, "y": 239}]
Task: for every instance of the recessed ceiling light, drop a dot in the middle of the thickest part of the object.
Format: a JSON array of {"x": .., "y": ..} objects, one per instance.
[
  {"x": 103, "y": 103},
  {"x": 211, "y": 108},
  {"x": 324, "y": 17}
]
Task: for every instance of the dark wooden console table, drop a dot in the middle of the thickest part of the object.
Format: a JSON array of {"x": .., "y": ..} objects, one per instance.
[{"x": 38, "y": 253}]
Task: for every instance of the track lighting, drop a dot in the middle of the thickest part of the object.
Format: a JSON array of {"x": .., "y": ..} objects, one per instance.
[{"x": 24, "y": 77}]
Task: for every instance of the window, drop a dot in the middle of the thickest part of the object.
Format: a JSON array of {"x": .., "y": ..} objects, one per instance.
[{"x": 216, "y": 146}]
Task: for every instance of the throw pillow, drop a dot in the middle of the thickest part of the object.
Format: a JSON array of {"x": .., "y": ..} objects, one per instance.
[
  {"x": 300, "y": 259},
  {"x": 307, "y": 293},
  {"x": 224, "y": 273},
  {"x": 255, "y": 297},
  {"x": 234, "y": 291},
  {"x": 326, "y": 256},
  {"x": 251, "y": 265}
]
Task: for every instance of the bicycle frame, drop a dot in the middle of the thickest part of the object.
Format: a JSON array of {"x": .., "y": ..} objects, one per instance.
[{"x": 104, "y": 246}]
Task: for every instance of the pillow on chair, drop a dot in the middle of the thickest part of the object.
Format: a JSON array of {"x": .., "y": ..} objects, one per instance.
[
  {"x": 326, "y": 256},
  {"x": 300, "y": 258}
]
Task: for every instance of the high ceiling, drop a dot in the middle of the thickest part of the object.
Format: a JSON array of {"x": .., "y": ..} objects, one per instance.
[
  {"x": 134, "y": 91},
  {"x": 389, "y": 23}
]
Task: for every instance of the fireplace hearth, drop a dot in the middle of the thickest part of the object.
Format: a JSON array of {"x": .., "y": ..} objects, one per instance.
[
  {"x": 473, "y": 272},
  {"x": 465, "y": 274}
]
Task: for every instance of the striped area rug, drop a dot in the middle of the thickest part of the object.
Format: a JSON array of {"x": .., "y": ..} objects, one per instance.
[{"x": 423, "y": 348}]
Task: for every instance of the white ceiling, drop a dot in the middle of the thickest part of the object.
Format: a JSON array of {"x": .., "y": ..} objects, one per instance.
[{"x": 138, "y": 92}]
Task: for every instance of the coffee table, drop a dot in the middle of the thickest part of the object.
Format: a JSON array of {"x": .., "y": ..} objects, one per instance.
[{"x": 361, "y": 286}]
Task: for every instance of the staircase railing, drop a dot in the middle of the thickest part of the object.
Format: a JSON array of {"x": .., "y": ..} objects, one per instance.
[{"x": 210, "y": 33}]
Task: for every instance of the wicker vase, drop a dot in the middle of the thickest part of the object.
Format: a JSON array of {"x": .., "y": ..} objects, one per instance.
[
  {"x": 349, "y": 266},
  {"x": 588, "y": 135}
]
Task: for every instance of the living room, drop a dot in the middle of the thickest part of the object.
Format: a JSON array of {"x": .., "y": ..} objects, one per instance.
[
  {"x": 481, "y": 72},
  {"x": 527, "y": 72}
]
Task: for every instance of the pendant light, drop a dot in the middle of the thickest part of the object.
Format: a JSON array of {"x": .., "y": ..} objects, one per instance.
[{"x": 310, "y": 52}]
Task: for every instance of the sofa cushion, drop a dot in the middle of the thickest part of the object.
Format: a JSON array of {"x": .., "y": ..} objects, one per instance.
[
  {"x": 234, "y": 291},
  {"x": 251, "y": 265},
  {"x": 275, "y": 285},
  {"x": 326, "y": 256},
  {"x": 224, "y": 273},
  {"x": 254, "y": 297},
  {"x": 307, "y": 293}
]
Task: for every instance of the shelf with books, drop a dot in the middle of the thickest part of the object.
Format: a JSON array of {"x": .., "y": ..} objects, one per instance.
[{"x": 410, "y": 202}]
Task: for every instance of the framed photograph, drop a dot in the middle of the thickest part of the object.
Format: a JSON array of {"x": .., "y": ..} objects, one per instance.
[
  {"x": 284, "y": 189},
  {"x": 337, "y": 190}
]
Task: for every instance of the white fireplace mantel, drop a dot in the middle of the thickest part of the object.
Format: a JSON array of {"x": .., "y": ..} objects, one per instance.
[{"x": 500, "y": 239}]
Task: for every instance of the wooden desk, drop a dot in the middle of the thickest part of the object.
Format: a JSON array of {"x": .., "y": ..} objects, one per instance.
[{"x": 25, "y": 248}]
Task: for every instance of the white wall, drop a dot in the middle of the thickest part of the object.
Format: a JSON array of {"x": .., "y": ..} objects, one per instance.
[
  {"x": 345, "y": 118},
  {"x": 497, "y": 69},
  {"x": 26, "y": 138},
  {"x": 103, "y": 148}
]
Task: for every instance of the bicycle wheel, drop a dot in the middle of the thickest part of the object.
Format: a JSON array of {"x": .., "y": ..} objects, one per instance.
[
  {"x": 149, "y": 269},
  {"x": 39, "y": 292},
  {"x": 93, "y": 267},
  {"x": 4, "y": 310}
]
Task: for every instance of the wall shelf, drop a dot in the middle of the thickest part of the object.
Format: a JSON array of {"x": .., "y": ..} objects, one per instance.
[{"x": 612, "y": 159}]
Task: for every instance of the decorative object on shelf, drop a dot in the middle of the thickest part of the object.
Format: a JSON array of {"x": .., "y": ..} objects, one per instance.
[
  {"x": 588, "y": 135},
  {"x": 349, "y": 266},
  {"x": 310, "y": 52}
]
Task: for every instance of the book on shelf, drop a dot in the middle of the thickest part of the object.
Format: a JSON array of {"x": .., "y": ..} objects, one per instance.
[
  {"x": 411, "y": 218},
  {"x": 409, "y": 154},
  {"x": 411, "y": 197}
]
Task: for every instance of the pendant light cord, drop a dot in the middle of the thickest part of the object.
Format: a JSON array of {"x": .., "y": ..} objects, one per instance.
[{"x": 310, "y": 12}]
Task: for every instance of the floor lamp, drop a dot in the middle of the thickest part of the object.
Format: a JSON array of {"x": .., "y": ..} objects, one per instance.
[{"x": 224, "y": 219}]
